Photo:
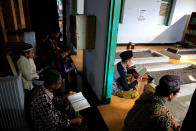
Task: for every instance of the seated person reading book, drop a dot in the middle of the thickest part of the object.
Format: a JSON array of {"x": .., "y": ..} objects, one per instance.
[
  {"x": 124, "y": 84},
  {"x": 46, "y": 109}
]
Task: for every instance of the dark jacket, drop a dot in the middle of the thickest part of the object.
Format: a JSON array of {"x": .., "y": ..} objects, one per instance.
[
  {"x": 190, "y": 116},
  {"x": 123, "y": 78}
]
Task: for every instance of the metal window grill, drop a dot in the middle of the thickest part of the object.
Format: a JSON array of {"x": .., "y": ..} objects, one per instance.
[{"x": 11, "y": 103}]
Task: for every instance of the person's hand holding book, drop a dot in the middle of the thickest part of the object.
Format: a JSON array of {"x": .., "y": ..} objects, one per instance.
[
  {"x": 135, "y": 75},
  {"x": 139, "y": 79},
  {"x": 69, "y": 94},
  {"x": 145, "y": 76},
  {"x": 76, "y": 121},
  {"x": 132, "y": 67}
]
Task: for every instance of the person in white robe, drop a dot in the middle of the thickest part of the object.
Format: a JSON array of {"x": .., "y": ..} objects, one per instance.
[{"x": 27, "y": 67}]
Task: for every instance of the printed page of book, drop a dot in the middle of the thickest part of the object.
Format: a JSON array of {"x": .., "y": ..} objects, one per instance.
[
  {"x": 78, "y": 101},
  {"x": 141, "y": 70},
  {"x": 75, "y": 97},
  {"x": 80, "y": 105}
]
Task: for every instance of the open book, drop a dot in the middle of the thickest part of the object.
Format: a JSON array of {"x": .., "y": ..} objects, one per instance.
[
  {"x": 78, "y": 101},
  {"x": 141, "y": 70}
]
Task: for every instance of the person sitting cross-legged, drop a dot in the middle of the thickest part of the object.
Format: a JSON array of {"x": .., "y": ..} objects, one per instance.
[{"x": 124, "y": 84}]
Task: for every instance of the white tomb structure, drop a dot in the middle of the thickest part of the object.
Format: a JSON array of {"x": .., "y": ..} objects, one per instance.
[
  {"x": 158, "y": 63},
  {"x": 181, "y": 54},
  {"x": 144, "y": 56}
]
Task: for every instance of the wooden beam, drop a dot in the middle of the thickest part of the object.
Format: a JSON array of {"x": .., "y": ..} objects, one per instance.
[
  {"x": 20, "y": 15},
  {"x": 3, "y": 35},
  {"x": 186, "y": 29},
  {"x": 10, "y": 16},
  {"x": 27, "y": 15},
  {"x": 4, "y": 67},
  {"x": 11, "y": 63},
  {"x": 13, "y": 37}
]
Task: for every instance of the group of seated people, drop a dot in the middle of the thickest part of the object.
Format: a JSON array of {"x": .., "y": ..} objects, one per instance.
[
  {"x": 45, "y": 110},
  {"x": 149, "y": 112},
  {"x": 50, "y": 112}
]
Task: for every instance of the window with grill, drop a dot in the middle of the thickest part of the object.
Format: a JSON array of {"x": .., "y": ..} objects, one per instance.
[{"x": 164, "y": 13}]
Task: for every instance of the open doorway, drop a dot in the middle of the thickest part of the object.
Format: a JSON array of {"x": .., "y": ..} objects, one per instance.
[{"x": 141, "y": 26}]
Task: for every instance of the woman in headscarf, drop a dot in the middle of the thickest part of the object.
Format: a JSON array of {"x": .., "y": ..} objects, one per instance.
[{"x": 44, "y": 106}]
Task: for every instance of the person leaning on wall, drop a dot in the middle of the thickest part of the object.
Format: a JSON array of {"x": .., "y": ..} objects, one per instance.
[
  {"x": 150, "y": 112},
  {"x": 27, "y": 67}
]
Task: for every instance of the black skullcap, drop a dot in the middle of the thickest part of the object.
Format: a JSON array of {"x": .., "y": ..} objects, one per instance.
[
  {"x": 168, "y": 84},
  {"x": 126, "y": 55},
  {"x": 27, "y": 47}
]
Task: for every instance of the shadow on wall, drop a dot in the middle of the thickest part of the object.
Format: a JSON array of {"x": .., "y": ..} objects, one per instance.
[{"x": 173, "y": 33}]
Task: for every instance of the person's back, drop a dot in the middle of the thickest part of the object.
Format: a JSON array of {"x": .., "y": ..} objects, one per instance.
[
  {"x": 146, "y": 115},
  {"x": 150, "y": 112}
]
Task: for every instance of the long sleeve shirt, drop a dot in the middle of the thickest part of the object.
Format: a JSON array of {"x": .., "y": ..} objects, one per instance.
[
  {"x": 120, "y": 79},
  {"x": 28, "y": 69},
  {"x": 149, "y": 114},
  {"x": 45, "y": 115}
]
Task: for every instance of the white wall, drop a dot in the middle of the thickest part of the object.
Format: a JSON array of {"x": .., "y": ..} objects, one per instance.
[
  {"x": 94, "y": 60},
  {"x": 132, "y": 30},
  {"x": 80, "y": 6}
]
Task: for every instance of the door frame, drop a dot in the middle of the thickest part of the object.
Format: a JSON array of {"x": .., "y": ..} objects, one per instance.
[{"x": 113, "y": 22}]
